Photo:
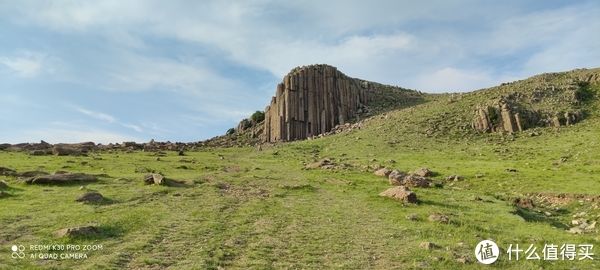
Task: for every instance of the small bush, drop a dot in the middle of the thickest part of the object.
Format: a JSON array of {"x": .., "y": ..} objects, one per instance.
[{"x": 258, "y": 116}]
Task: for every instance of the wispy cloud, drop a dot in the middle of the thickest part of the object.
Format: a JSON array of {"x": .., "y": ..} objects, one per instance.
[
  {"x": 108, "y": 119},
  {"x": 27, "y": 65},
  {"x": 188, "y": 76},
  {"x": 96, "y": 115}
]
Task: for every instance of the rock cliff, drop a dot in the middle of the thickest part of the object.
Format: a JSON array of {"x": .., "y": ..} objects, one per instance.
[{"x": 313, "y": 100}]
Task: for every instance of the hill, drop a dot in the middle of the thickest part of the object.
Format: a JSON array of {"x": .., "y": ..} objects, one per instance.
[{"x": 315, "y": 203}]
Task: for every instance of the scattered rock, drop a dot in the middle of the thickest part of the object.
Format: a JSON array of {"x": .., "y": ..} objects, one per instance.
[
  {"x": 463, "y": 260},
  {"x": 525, "y": 203},
  {"x": 82, "y": 231},
  {"x": 3, "y": 184},
  {"x": 437, "y": 217},
  {"x": 61, "y": 178},
  {"x": 90, "y": 197},
  {"x": 323, "y": 164},
  {"x": 383, "y": 172},
  {"x": 454, "y": 178},
  {"x": 412, "y": 180},
  {"x": 7, "y": 171},
  {"x": 154, "y": 178},
  {"x": 396, "y": 178},
  {"x": 400, "y": 193},
  {"x": 428, "y": 245},
  {"x": 423, "y": 172},
  {"x": 412, "y": 217},
  {"x": 576, "y": 230}
]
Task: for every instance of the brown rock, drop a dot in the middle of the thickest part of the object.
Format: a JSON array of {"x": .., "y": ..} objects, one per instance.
[
  {"x": 423, "y": 172},
  {"x": 82, "y": 231},
  {"x": 412, "y": 180},
  {"x": 383, "y": 172},
  {"x": 454, "y": 178},
  {"x": 323, "y": 164},
  {"x": 61, "y": 178},
  {"x": 437, "y": 217},
  {"x": 154, "y": 178},
  {"x": 396, "y": 178},
  {"x": 525, "y": 203},
  {"x": 400, "y": 193}
]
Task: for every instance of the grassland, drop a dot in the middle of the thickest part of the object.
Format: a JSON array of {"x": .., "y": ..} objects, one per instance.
[{"x": 248, "y": 209}]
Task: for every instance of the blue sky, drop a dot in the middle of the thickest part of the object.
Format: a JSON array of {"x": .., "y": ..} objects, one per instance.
[{"x": 112, "y": 71}]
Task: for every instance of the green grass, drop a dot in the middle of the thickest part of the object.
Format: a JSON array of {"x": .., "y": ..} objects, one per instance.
[{"x": 263, "y": 210}]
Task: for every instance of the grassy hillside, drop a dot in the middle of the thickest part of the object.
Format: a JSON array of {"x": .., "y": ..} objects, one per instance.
[{"x": 244, "y": 208}]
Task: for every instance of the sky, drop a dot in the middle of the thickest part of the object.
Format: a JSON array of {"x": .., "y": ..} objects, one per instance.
[{"x": 136, "y": 70}]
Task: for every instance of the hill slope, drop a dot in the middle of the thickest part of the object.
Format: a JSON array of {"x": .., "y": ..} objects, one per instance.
[{"x": 241, "y": 207}]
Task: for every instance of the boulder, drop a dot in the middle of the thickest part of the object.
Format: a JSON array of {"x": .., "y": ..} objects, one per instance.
[
  {"x": 154, "y": 178},
  {"x": 62, "y": 178},
  {"x": 525, "y": 203},
  {"x": 400, "y": 193},
  {"x": 396, "y": 178},
  {"x": 437, "y": 217},
  {"x": 423, "y": 172},
  {"x": 81, "y": 231},
  {"x": 90, "y": 197},
  {"x": 412, "y": 180},
  {"x": 383, "y": 172}
]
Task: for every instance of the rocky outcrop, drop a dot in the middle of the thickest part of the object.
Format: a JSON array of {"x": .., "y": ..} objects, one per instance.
[
  {"x": 313, "y": 100},
  {"x": 505, "y": 116}
]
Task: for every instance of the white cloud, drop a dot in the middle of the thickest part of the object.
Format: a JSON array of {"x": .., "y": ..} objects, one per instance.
[
  {"x": 107, "y": 118},
  {"x": 97, "y": 115},
  {"x": 28, "y": 65},
  {"x": 363, "y": 39}
]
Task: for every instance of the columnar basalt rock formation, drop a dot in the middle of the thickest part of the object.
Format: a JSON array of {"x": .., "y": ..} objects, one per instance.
[{"x": 312, "y": 100}]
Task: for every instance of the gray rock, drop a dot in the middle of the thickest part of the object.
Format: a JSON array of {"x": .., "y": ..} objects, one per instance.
[
  {"x": 62, "y": 178},
  {"x": 90, "y": 197}
]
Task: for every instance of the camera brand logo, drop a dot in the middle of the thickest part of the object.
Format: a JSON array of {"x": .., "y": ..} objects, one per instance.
[
  {"x": 18, "y": 252},
  {"x": 487, "y": 252}
]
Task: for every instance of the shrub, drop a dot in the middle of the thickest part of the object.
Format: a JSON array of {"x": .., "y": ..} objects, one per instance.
[{"x": 258, "y": 116}]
